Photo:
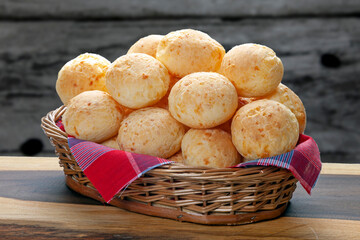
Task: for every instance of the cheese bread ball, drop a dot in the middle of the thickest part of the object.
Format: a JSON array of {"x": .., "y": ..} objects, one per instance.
[
  {"x": 147, "y": 45},
  {"x": 264, "y": 128},
  {"x": 93, "y": 116},
  {"x": 177, "y": 157},
  {"x": 209, "y": 148},
  {"x": 203, "y": 100},
  {"x": 164, "y": 102},
  {"x": 242, "y": 101},
  {"x": 286, "y": 96},
  {"x": 151, "y": 131},
  {"x": 137, "y": 80},
  {"x": 226, "y": 126},
  {"x": 111, "y": 143},
  {"x": 188, "y": 51},
  {"x": 84, "y": 73},
  {"x": 255, "y": 70},
  {"x": 127, "y": 111}
]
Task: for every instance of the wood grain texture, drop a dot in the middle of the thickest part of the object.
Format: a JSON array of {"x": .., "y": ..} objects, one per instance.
[
  {"x": 338, "y": 192},
  {"x": 340, "y": 168},
  {"x": 37, "y": 205},
  {"x": 17, "y": 163},
  {"x": 35, "y": 51},
  {"x": 161, "y": 8},
  {"x": 54, "y": 217},
  {"x": 8, "y": 163},
  {"x": 42, "y": 186},
  {"x": 21, "y": 231},
  {"x": 334, "y": 197}
]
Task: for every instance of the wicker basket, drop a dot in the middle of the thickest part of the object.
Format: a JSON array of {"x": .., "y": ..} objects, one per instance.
[{"x": 227, "y": 196}]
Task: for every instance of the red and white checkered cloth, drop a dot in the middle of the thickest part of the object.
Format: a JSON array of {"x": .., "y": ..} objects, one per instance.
[{"x": 111, "y": 171}]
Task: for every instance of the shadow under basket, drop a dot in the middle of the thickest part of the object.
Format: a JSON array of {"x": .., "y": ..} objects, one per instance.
[{"x": 227, "y": 196}]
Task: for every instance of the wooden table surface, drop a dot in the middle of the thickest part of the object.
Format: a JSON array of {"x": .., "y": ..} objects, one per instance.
[{"x": 36, "y": 204}]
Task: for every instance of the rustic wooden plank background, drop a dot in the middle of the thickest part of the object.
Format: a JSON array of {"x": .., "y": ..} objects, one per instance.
[{"x": 318, "y": 42}]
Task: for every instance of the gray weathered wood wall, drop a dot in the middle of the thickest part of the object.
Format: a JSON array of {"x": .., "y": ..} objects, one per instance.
[{"x": 318, "y": 42}]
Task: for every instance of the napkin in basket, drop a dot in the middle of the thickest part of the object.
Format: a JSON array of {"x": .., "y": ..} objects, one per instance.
[{"x": 111, "y": 170}]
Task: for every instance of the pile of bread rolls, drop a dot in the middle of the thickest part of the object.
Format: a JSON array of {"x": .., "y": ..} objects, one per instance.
[{"x": 182, "y": 97}]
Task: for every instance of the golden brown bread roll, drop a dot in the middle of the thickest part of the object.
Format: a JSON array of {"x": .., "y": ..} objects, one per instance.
[
  {"x": 127, "y": 111},
  {"x": 286, "y": 96},
  {"x": 255, "y": 70},
  {"x": 164, "y": 102},
  {"x": 177, "y": 157},
  {"x": 93, "y": 116},
  {"x": 111, "y": 143},
  {"x": 137, "y": 80},
  {"x": 242, "y": 101},
  {"x": 147, "y": 45},
  {"x": 84, "y": 73},
  {"x": 151, "y": 131},
  {"x": 203, "y": 100},
  {"x": 188, "y": 51},
  {"x": 209, "y": 148},
  {"x": 264, "y": 128},
  {"x": 226, "y": 126}
]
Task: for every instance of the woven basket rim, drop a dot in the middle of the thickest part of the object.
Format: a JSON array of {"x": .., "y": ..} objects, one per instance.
[
  {"x": 48, "y": 124},
  {"x": 221, "y": 196}
]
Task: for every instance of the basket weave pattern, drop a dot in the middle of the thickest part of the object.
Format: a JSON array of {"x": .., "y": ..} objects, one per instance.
[{"x": 195, "y": 194}]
